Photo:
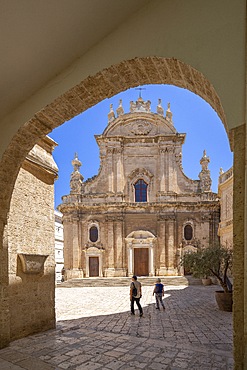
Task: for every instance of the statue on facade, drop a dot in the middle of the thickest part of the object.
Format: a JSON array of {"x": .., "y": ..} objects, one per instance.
[
  {"x": 76, "y": 178},
  {"x": 120, "y": 110},
  {"x": 111, "y": 114},
  {"x": 204, "y": 175},
  {"x": 169, "y": 113},
  {"x": 160, "y": 109}
]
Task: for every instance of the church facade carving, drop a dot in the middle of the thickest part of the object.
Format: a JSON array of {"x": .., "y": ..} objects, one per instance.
[{"x": 141, "y": 212}]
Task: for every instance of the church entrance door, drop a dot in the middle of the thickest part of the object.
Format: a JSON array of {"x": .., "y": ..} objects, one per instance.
[
  {"x": 141, "y": 261},
  {"x": 93, "y": 266}
]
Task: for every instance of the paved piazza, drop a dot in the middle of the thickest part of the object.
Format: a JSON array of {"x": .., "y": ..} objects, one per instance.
[{"x": 96, "y": 331}]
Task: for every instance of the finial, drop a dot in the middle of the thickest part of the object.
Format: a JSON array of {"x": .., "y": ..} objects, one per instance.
[
  {"x": 76, "y": 163},
  {"x": 221, "y": 171},
  {"x": 204, "y": 160},
  {"x": 76, "y": 178},
  {"x": 169, "y": 113},
  {"x": 204, "y": 175},
  {"x": 120, "y": 110},
  {"x": 160, "y": 109},
  {"x": 111, "y": 114}
]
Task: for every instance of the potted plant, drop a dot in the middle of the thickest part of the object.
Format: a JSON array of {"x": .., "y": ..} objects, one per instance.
[
  {"x": 216, "y": 261},
  {"x": 195, "y": 263},
  {"x": 220, "y": 263}
]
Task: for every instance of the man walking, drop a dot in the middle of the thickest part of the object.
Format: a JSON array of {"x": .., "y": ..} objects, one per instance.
[{"x": 135, "y": 295}]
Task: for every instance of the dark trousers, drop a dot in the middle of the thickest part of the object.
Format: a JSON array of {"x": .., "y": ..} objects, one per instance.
[{"x": 137, "y": 300}]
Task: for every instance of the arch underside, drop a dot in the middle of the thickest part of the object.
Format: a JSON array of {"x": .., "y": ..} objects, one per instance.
[{"x": 90, "y": 91}]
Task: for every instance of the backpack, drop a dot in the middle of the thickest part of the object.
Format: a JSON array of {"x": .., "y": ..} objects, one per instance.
[
  {"x": 134, "y": 291},
  {"x": 158, "y": 288}
]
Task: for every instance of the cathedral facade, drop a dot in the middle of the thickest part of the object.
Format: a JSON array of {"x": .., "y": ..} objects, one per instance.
[{"x": 140, "y": 213}]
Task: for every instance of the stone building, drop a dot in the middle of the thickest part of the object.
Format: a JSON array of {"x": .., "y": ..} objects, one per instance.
[
  {"x": 141, "y": 212},
  {"x": 196, "y": 45},
  {"x": 58, "y": 245},
  {"x": 225, "y": 191},
  {"x": 29, "y": 236}
]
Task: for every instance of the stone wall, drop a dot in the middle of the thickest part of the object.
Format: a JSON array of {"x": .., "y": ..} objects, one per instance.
[
  {"x": 225, "y": 191},
  {"x": 30, "y": 238}
]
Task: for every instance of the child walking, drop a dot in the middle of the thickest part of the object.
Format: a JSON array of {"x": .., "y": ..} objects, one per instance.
[{"x": 159, "y": 293}]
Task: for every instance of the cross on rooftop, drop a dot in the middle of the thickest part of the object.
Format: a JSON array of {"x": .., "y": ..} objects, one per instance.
[{"x": 140, "y": 90}]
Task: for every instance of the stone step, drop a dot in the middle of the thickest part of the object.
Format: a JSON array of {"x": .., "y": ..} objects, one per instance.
[{"x": 125, "y": 281}]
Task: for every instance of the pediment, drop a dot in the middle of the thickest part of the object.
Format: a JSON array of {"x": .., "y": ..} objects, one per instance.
[
  {"x": 146, "y": 124},
  {"x": 140, "y": 172},
  {"x": 140, "y": 235}
]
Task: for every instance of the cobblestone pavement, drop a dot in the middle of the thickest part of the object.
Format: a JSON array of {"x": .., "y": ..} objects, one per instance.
[{"x": 96, "y": 331}]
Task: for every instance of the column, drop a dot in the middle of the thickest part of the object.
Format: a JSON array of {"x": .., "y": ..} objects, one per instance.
[
  {"x": 167, "y": 170},
  {"x": 162, "y": 247},
  {"x": 110, "y": 270},
  {"x": 130, "y": 259},
  {"x": 71, "y": 248},
  {"x": 170, "y": 247},
  {"x": 110, "y": 169},
  {"x": 120, "y": 174},
  {"x": 170, "y": 171},
  {"x": 151, "y": 259},
  {"x": 76, "y": 252},
  {"x": 118, "y": 247},
  {"x": 83, "y": 234},
  {"x": 240, "y": 249},
  {"x": 4, "y": 292},
  {"x": 67, "y": 250},
  {"x": 162, "y": 171}
]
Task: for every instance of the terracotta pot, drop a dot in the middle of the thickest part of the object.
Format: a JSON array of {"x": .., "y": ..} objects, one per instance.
[
  {"x": 206, "y": 281},
  {"x": 224, "y": 300}
]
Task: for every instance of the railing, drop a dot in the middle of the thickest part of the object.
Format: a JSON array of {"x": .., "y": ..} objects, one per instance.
[{"x": 226, "y": 175}]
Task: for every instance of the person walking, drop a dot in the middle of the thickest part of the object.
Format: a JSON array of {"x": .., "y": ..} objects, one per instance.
[
  {"x": 135, "y": 295},
  {"x": 159, "y": 294}
]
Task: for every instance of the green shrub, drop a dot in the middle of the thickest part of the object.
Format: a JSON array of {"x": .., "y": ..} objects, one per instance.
[{"x": 214, "y": 260}]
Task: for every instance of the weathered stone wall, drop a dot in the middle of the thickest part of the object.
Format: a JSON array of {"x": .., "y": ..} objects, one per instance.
[
  {"x": 30, "y": 231},
  {"x": 239, "y": 240},
  {"x": 225, "y": 191}
]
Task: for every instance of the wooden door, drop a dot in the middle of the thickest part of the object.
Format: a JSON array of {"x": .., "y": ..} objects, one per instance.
[
  {"x": 141, "y": 262},
  {"x": 93, "y": 266}
]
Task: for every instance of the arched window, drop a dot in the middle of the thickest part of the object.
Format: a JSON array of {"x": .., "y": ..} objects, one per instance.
[
  {"x": 188, "y": 232},
  {"x": 93, "y": 234},
  {"x": 141, "y": 191}
]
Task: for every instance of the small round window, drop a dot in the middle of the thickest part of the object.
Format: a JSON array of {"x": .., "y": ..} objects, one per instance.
[
  {"x": 188, "y": 232},
  {"x": 93, "y": 234}
]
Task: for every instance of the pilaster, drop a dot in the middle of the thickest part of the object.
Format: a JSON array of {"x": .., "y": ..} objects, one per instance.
[
  {"x": 119, "y": 247},
  {"x": 72, "y": 255},
  {"x": 4, "y": 294},
  {"x": 162, "y": 250},
  {"x": 240, "y": 250},
  {"x": 110, "y": 169},
  {"x": 120, "y": 173},
  {"x": 162, "y": 170},
  {"x": 110, "y": 270}
]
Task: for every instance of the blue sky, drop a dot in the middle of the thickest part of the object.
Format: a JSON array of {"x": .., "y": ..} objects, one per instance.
[{"x": 191, "y": 115}]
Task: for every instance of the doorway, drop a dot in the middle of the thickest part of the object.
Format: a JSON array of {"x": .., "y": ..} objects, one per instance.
[
  {"x": 93, "y": 266},
  {"x": 141, "y": 261}
]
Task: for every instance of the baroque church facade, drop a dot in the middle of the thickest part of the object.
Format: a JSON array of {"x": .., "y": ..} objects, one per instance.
[{"x": 140, "y": 213}]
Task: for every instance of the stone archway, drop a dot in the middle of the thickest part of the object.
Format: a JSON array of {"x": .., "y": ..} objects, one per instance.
[
  {"x": 107, "y": 83},
  {"x": 93, "y": 89}
]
